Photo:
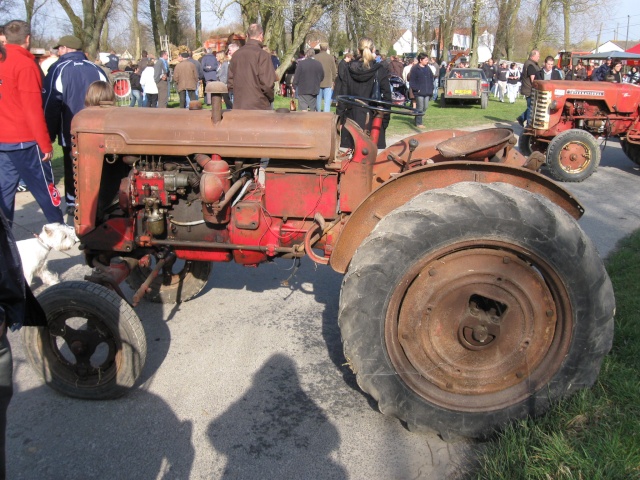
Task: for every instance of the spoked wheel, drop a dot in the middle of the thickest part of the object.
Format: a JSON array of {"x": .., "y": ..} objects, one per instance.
[
  {"x": 484, "y": 304},
  {"x": 573, "y": 156},
  {"x": 179, "y": 281},
  {"x": 631, "y": 150},
  {"x": 94, "y": 347}
]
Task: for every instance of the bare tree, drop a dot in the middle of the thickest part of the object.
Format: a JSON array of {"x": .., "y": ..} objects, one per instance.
[
  {"x": 31, "y": 7},
  {"x": 89, "y": 27},
  {"x": 540, "y": 33},
  {"x": 505, "y": 31}
]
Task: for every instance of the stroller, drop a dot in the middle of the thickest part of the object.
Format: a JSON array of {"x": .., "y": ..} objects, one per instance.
[{"x": 399, "y": 93}]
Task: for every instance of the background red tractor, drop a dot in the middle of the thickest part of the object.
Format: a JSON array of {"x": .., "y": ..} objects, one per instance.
[
  {"x": 471, "y": 296},
  {"x": 568, "y": 117}
]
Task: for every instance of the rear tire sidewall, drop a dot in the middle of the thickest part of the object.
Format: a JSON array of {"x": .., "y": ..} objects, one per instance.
[{"x": 407, "y": 235}]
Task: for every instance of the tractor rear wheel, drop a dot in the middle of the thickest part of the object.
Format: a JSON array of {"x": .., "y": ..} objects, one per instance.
[
  {"x": 94, "y": 347},
  {"x": 631, "y": 150},
  {"x": 573, "y": 156},
  {"x": 177, "y": 283},
  {"x": 475, "y": 305}
]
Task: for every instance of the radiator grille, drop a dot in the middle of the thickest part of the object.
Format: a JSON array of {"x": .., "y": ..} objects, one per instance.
[{"x": 540, "y": 105}]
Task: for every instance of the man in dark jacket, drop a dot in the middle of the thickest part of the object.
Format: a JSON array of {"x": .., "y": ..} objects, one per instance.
[
  {"x": 65, "y": 87},
  {"x": 421, "y": 85},
  {"x": 490, "y": 72},
  {"x": 529, "y": 70},
  {"x": 18, "y": 307},
  {"x": 307, "y": 80},
  {"x": 210, "y": 67},
  {"x": 200, "y": 71},
  {"x": 114, "y": 61},
  {"x": 161, "y": 77},
  {"x": 549, "y": 72},
  {"x": 251, "y": 74},
  {"x": 600, "y": 73}
]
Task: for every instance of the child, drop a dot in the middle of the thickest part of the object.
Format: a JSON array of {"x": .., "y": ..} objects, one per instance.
[{"x": 99, "y": 93}]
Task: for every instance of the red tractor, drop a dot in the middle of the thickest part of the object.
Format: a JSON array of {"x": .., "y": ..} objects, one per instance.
[
  {"x": 568, "y": 117},
  {"x": 471, "y": 296}
]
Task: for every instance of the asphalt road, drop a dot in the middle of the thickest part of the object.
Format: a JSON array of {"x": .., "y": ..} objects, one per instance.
[{"x": 248, "y": 380}]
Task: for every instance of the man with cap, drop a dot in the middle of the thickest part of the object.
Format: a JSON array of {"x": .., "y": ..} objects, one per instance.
[
  {"x": 65, "y": 87},
  {"x": 25, "y": 147},
  {"x": 600, "y": 73}
]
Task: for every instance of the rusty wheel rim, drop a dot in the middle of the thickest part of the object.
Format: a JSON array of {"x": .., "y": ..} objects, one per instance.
[
  {"x": 575, "y": 157},
  {"x": 478, "y": 329},
  {"x": 81, "y": 348}
]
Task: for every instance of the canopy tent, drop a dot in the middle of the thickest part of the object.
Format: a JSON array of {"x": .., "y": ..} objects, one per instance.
[{"x": 616, "y": 55}]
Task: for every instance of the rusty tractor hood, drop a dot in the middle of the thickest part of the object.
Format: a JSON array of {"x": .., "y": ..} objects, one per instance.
[{"x": 240, "y": 133}]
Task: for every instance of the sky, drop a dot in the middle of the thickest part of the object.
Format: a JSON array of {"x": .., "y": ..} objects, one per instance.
[
  {"x": 622, "y": 11},
  {"x": 614, "y": 22}
]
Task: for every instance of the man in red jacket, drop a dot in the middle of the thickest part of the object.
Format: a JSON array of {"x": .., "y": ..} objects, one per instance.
[{"x": 25, "y": 147}]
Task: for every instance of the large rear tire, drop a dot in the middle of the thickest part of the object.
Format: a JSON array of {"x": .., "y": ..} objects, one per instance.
[
  {"x": 475, "y": 305},
  {"x": 182, "y": 281},
  {"x": 94, "y": 347},
  {"x": 573, "y": 156},
  {"x": 631, "y": 150}
]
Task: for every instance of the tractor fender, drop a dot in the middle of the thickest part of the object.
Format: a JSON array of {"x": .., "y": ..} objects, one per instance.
[{"x": 400, "y": 189}]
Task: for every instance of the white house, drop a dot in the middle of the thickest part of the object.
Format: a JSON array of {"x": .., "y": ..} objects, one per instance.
[{"x": 407, "y": 43}]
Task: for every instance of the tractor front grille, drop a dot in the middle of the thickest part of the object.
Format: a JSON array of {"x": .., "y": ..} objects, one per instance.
[{"x": 540, "y": 105}]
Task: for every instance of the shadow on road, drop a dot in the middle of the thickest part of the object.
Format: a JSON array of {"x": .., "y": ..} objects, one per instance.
[{"x": 276, "y": 423}]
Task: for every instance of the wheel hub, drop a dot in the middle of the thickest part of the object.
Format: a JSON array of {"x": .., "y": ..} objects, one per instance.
[
  {"x": 575, "y": 157},
  {"x": 465, "y": 329}
]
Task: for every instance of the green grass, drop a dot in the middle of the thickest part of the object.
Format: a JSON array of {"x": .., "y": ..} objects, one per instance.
[{"x": 596, "y": 433}]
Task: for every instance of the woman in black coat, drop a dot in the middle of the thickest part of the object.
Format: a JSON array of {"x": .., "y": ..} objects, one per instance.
[{"x": 359, "y": 82}]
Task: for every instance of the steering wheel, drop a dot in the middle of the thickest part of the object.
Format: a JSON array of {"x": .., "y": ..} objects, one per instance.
[{"x": 378, "y": 105}]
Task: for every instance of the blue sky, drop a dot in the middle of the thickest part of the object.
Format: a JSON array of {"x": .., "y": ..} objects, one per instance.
[{"x": 622, "y": 11}]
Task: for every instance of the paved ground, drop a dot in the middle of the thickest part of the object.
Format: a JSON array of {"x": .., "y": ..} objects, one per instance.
[{"x": 248, "y": 380}]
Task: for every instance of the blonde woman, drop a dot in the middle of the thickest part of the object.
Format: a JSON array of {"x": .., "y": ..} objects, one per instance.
[{"x": 360, "y": 83}]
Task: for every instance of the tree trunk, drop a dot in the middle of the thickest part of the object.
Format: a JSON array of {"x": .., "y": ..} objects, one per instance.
[
  {"x": 312, "y": 15},
  {"x": 475, "y": 15},
  {"x": 198, "y": 12},
  {"x": 95, "y": 16},
  {"x": 540, "y": 28},
  {"x": 566, "y": 15},
  {"x": 135, "y": 28}
]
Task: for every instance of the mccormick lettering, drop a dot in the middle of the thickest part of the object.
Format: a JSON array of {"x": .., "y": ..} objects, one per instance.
[{"x": 592, "y": 93}]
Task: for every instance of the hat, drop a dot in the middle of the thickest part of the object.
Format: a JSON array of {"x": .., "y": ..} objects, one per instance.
[
  {"x": 184, "y": 55},
  {"x": 609, "y": 58},
  {"x": 69, "y": 41}
]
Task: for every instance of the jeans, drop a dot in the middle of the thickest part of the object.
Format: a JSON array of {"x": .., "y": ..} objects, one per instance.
[
  {"x": 422, "y": 103},
  {"x": 325, "y": 93},
  {"x": 526, "y": 115},
  {"x": 136, "y": 97},
  {"x": 436, "y": 84}
]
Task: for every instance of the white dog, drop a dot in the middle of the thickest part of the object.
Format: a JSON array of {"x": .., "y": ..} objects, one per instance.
[{"x": 34, "y": 251}]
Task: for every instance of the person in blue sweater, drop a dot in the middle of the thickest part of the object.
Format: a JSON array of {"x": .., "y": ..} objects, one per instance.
[{"x": 421, "y": 82}]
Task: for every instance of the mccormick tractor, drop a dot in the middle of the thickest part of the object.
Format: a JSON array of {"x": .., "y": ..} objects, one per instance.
[
  {"x": 569, "y": 116},
  {"x": 471, "y": 296}
]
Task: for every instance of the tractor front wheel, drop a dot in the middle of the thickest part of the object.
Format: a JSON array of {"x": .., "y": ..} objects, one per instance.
[
  {"x": 573, "y": 156},
  {"x": 475, "y": 305},
  {"x": 94, "y": 347},
  {"x": 176, "y": 283}
]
